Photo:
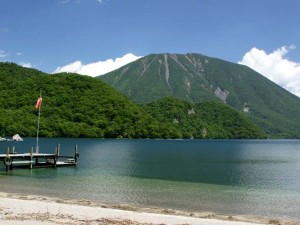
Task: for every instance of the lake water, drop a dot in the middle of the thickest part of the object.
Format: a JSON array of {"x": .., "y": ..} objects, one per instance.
[{"x": 244, "y": 177}]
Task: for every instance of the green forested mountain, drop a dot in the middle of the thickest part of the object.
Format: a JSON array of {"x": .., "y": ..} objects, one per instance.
[
  {"x": 80, "y": 106},
  {"x": 203, "y": 120},
  {"x": 73, "y": 106},
  {"x": 198, "y": 78}
]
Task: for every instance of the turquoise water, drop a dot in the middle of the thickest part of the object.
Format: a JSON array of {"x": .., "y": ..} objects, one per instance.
[{"x": 245, "y": 177}]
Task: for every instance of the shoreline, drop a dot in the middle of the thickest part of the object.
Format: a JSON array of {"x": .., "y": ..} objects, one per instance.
[{"x": 17, "y": 208}]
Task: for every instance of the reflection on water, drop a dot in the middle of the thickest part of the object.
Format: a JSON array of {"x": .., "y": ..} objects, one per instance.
[{"x": 236, "y": 176}]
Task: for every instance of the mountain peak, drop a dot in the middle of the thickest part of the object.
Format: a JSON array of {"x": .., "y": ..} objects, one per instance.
[{"x": 198, "y": 78}]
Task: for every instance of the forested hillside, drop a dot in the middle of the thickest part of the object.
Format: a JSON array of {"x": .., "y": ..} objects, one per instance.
[
  {"x": 203, "y": 120},
  {"x": 80, "y": 106},
  {"x": 73, "y": 106}
]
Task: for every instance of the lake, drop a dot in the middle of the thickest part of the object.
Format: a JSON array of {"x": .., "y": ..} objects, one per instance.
[{"x": 243, "y": 177}]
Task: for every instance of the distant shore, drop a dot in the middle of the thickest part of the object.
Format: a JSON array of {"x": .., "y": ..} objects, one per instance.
[{"x": 17, "y": 209}]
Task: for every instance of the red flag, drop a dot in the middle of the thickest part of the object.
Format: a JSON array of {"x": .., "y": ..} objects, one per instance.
[{"x": 38, "y": 103}]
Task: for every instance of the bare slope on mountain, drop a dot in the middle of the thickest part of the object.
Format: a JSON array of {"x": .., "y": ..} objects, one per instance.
[{"x": 198, "y": 78}]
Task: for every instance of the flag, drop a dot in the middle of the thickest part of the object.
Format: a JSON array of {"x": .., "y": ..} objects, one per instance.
[{"x": 38, "y": 103}]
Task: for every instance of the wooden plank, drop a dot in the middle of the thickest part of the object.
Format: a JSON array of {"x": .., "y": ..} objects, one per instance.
[{"x": 22, "y": 162}]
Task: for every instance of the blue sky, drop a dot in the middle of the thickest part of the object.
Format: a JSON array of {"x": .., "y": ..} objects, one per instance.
[{"x": 51, "y": 35}]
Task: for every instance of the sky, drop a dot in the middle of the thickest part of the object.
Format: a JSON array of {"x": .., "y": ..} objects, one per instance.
[{"x": 93, "y": 37}]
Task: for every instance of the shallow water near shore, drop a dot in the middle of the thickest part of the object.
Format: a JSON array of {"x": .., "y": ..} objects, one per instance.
[{"x": 245, "y": 177}]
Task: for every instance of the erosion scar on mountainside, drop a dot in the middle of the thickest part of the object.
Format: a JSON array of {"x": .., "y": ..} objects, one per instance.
[{"x": 167, "y": 70}]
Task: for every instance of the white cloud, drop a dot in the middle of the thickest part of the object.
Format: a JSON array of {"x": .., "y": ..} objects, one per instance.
[
  {"x": 65, "y": 1},
  {"x": 19, "y": 53},
  {"x": 101, "y": 1},
  {"x": 97, "y": 68},
  {"x": 27, "y": 65},
  {"x": 276, "y": 67},
  {"x": 2, "y": 54}
]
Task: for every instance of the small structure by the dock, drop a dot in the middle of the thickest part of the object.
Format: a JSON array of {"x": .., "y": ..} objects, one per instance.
[
  {"x": 37, "y": 160},
  {"x": 17, "y": 137}
]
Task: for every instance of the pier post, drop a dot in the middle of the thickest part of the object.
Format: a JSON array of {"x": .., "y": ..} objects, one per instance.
[
  {"x": 58, "y": 149},
  {"x": 7, "y": 159},
  {"x": 56, "y": 154},
  {"x": 76, "y": 154},
  {"x": 31, "y": 152}
]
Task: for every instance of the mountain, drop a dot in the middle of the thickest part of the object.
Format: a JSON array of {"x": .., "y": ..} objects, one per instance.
[
  {"x": 79, "y": 106},
  {"x": 73, "y": 106},
  {"x": 203, "y": 120},
  {"x": 198, "y": 78}
]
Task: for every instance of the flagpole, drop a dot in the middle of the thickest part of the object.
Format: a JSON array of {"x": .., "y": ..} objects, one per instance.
[{"x": 38, "y": 127}]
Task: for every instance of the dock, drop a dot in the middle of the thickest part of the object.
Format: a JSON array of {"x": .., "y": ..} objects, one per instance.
[{"x": 37, "y": 160}]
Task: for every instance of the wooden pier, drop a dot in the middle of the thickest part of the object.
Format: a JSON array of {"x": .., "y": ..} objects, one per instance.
[{"x": 37, "y": 160}]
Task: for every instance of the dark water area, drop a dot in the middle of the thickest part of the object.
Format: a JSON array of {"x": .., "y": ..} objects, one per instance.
[{"x": 245, "y": 177}]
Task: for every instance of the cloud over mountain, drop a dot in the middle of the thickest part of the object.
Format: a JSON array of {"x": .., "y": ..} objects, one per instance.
[
  {"x": 276, "y": 67},
  {"x": 26, "y": 64},
  {"x": 97, "y": 68},
  {"x": 2, "y": 54}
]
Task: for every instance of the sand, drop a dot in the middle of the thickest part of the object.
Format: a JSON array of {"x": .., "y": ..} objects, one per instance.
[{"x": 25, "y": 209}]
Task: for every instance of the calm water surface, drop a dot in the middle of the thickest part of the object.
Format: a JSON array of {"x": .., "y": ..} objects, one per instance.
[{"x": 247, "y": 177}]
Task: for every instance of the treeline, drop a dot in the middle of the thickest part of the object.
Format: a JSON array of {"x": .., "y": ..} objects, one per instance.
[
  {"x": 203, "y": 120},
  {"x": 80, "y": 106}
]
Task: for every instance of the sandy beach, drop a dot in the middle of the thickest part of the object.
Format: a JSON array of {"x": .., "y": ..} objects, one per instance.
[{"x": 25, "y": 209}]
